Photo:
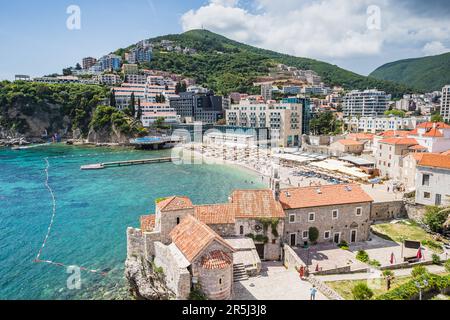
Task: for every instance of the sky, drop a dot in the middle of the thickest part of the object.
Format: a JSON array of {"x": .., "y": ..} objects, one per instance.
[{"x": 358, "y": 35}]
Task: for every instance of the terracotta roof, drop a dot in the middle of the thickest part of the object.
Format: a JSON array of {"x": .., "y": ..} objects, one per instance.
[
  {"x": 348, "y": 142},
  {"x": 435, "y": 161},
  {"x": 417, "y": 147},
  {"x": 416, "y": 155},
  {"x": 216, "y": 260},
  {"x": 360, "y": 136},
  {"x": 216, "y": 213},
  {"x": 256, "y": 204},
  {"x": 439, "y": 125},
  {"x": 414, "y": 132},
  {"x": 446, "y": 153},
  {"x": 399, "y": 141},
  {"x": 147, "y": 223},
  {"x": 295, "y": 198},
  {"x": 395, "y": 133},
  {"x": 192, "y": 236},
  {"x": 433, "y": 133},
  {"x": 174, "y": 203}
]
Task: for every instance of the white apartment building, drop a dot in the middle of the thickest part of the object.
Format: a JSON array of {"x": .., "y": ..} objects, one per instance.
[
  {"x": 284, "y": 120},
  {"x": 149, "y": 118},
  {"x": 433, "y": 180},
  {"x": 109, "y": 79},
  {"x": 367, "y": 103},
  {"x": 136, "y": 79},
  {"x": 445, "y": 103},
  {"x": 375, "y": 124}
]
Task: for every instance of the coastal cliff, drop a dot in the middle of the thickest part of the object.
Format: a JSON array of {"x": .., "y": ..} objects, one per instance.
[
  {"x": 146, "y": 282},
  {"x": 33, "y": 112}
]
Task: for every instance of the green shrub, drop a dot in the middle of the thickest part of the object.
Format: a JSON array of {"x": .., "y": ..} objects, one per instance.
[
  {"x": 447, "y": 265},
  {"x": 435, "y": 218},
  {"x": 409, "y": 290},
  {"x": 387, "y": 273},
  {"x": 197, "y": 294},
  {"x": 418, "y": 271},
  {"x": 374, "y": 263},
  {"x": 313, "y": 234},
  {"x": 343, "y": 245},
  {"x": 362, "y": 256},
  {"x": 362, "y": 292},
  {"x": 436, "y": 259}
]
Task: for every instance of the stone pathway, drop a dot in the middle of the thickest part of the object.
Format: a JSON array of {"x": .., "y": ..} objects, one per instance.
[{"x": 274, "y": 283}]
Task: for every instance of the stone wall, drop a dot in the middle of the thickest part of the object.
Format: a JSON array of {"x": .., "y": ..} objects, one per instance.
[
  {"x": 168, "y": 221},
  {"x": 383, "y": 211},
  {"x": 326, "y": 290},
  {"x": 224, "y": 230},
  {"x": 178, "y": 279},
  {"x": 135, "y": 242},
  {"x": 291, "y": 259},
  {"x": 415, "y": 212},
  {"x": 149, "y": 239},
  {"x": 346, "y": 221},
  {"x": 217, "y": 283}
]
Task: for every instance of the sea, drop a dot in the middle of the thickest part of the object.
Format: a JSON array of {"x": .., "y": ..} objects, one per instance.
[{"x": 92, "y": 212}]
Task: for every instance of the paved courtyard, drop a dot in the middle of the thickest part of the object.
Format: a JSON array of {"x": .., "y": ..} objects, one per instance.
[
  {"x": 328, "y": 256},
  {"x": 274, "y": 283}
]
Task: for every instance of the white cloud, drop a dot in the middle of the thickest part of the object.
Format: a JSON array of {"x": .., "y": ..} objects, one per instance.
[
  {"x": 326, "y": 29},
  {"x": 434, "y": 48}
]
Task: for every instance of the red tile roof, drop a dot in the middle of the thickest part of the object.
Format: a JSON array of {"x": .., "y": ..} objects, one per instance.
[
  {"x": 417, "y": 147},
  {"x": 435, "y": 161},
  {"x": 148, "y": 223},
  {"x": 216, "y": 213},
  {"x": 296, "y": 198},
  {"x": 216, "y": 260},
  {"x": 192, "y": 236},
  {"x": 175, "y": 203},
  {"x": 439, "y": 125},
  {"x": 395, "y": 133},
  {"x": 360, "y": 136},
  {"x": 433, "y": 133},
  {"x": 446, "y": 153},
  {"x": 399, "y": 141},
  {"x": 348, "y": 142},
  {"x": 256, "y": 204}
]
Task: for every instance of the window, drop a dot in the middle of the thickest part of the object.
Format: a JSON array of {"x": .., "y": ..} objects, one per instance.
[
  {"x": 426, "y": 180},
  {"x": 178, "y": 220},
  {"x": 326, "y": 235},
  {"x": 335, "y": 214},
  {"x": 426, "y": 195},
  {"x": 220, "y": 281},
  {"x": 358, "y": 211},
  {"x": 311, "y": 217},
  {"x": 241, "y": 230},
  {"x": 305, "y": 234},
  {"x": 291, "y": 218}
]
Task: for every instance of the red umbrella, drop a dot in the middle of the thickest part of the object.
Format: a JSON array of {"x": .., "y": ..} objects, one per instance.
[
  {"x": 317, "y": 267},
  {"x": 419, "y": 254},
  {"x": 392, "y": 258}
]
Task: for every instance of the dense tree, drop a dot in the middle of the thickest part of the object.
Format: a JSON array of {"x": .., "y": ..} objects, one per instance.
[
  {"x": 139, "y": 110},
  {"x": 325, "y": 123},
  {"x": 112, "y": 98}
]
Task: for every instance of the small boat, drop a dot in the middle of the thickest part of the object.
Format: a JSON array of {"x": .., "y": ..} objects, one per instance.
[{"x": 30, "y": 147}]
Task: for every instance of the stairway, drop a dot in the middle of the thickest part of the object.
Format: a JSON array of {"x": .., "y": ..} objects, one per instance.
[{"x": 239, "y": 272}]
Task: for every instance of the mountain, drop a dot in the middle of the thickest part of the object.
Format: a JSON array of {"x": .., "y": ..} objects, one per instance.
[
  {"x": 225, "y": 65},
  {"x": 427, "y": 73}
]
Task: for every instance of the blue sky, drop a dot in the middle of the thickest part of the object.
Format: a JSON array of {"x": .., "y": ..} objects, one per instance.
[{"x": 35, "y": 40}]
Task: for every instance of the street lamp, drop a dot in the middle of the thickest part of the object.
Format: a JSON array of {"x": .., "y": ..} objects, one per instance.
[{"x": 420, "y": 287}]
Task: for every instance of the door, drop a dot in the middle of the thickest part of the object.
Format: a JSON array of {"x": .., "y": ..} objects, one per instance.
[
  {"x": 293, "y": 241},
  {"x": 438, "y": 200},
  {"x": 353, "y": 235},
  {"x": 260, "y": 250},
  {"x": 337, "y": 237}
]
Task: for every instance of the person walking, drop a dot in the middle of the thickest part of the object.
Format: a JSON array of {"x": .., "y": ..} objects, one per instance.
[{"x": 313, "y": 291}]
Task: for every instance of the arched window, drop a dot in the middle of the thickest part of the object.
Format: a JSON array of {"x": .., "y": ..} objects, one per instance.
[
  {"x": 220, "y": 281},
  {"x": 241, "y": 230},
  {"x": 178, "y": 220}
]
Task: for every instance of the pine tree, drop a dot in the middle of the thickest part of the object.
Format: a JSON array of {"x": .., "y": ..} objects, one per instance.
[
  {"x": 139, "y": 111},
  {"x": 132, "y": 105},
  {"x": 112, "y": 98}
]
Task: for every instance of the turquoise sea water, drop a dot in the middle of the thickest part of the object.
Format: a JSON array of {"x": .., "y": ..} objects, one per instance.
[{"x": 94, "y": 208}]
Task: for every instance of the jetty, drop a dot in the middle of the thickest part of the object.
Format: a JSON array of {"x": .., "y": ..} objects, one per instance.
[{"x": 126, "y": 163}]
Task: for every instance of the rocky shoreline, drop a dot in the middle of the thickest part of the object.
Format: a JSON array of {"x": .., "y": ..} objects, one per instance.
[{"x": 145, "y": 282}]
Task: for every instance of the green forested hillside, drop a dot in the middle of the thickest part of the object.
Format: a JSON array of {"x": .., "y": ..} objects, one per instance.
[
  {"x": 427, "y": 74},
  {"x": 225, "y": 65}
]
